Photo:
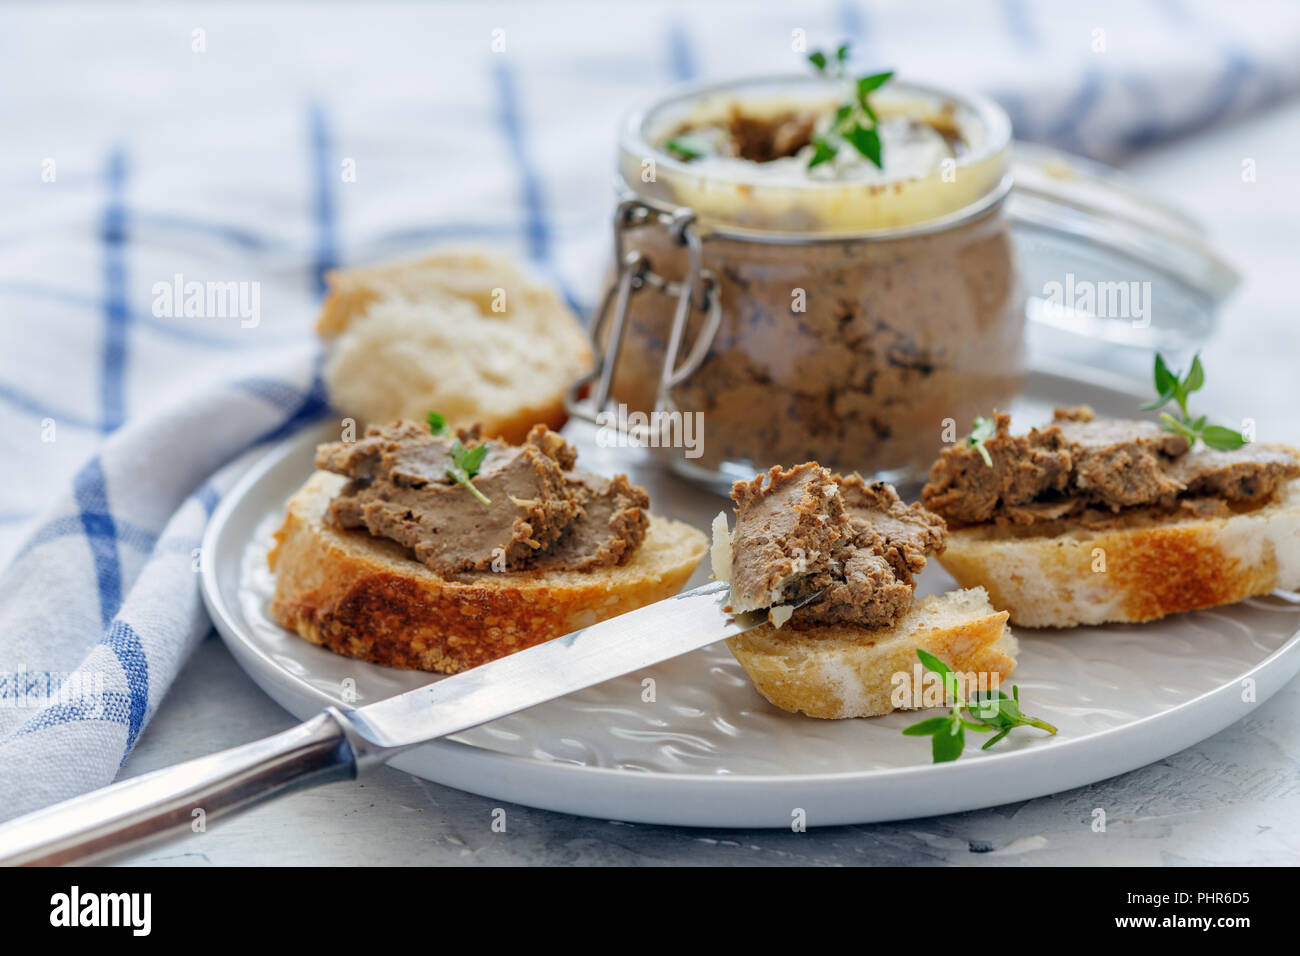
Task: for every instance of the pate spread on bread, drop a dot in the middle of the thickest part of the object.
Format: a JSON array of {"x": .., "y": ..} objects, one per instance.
[
  {"x": 1089, "y": 520},
  {"x": 835, "y": 558},
  {"x": 539, "y": 511},
  {"x": 1091, "y": 469},
  {"x": 385, "y": 556},
  {"x": 847, "y": 547}
]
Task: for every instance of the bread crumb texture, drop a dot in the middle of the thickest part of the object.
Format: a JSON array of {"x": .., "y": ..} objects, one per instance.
[{"x": 465, "y": 334}]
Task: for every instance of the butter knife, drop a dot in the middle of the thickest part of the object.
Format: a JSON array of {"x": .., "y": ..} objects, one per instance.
[{"x": 338, "y": 745}]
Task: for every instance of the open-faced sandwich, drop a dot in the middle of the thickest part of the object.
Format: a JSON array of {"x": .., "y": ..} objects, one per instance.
[
  {"x": 1089, "y": 519},
  {"x": 835, "y": 557},
  {"x": 420, "y": 548}
]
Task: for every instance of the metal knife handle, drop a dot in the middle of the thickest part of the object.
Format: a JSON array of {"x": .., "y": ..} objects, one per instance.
[{"x": 162, "y": 804}]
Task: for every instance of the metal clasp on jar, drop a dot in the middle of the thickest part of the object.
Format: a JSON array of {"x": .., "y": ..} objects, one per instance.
[{"x": 634, "y": 275}]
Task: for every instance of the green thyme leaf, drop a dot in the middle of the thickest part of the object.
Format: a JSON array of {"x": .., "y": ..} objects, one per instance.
[
  {"x": 948, "y": 744},
  {"x": 867, "y": 142},
  {"x": 854, "y": 121},
  {"x": 1222, "y": 439},
  {"x": 465, "y": 463},
  {"x": 1160, "y": 401},
  {"x": 474, "y": 459},
  {"x": 1195, "y": 376},
  {"x": 1170, "y": 386},
  {"x": 985, "y": 428},
  {"x": 988, "y": 712},
  {"x": 688, "y": 147},
  {"x": 926, "y": 727},
  {"x": 1165, "y": 379},
  {"x": 933, "y": 663},
  {"x": 1000, "y": 712},
  {"x": 823, "y": 152},
  {"x": 1176, "y": 426},
  {"x": 437, "y": 423},
  {"x": 995, "y": 738},
  {"x": 869, "y": 84}
]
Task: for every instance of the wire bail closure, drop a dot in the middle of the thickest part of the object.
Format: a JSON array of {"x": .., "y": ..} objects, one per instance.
[{"x": 635, "y": 274}]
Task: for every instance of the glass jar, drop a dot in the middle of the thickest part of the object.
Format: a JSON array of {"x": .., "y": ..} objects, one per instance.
[
  {"x": 772, "y": 316},
  {"x": 799, "y": 318}
]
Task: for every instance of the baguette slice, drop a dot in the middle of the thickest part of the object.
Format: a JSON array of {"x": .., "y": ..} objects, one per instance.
[
  {"x": 843, "y": 670},
  {"x": 1153, "y": 566},
  {"x": 365, "y": 597},
  {"x": 464, "y": 333}
]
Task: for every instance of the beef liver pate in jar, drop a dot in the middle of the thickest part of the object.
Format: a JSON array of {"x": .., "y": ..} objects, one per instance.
[{"x": 857, "y": 315}]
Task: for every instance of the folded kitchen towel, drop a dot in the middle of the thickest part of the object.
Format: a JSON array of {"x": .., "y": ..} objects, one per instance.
[
  {"x": 100, "y": 607},
  {"x": 154, "y": 148}
]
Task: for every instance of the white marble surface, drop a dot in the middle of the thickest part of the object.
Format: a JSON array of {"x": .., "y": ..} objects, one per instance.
[{"x": 1233, "y": 799}]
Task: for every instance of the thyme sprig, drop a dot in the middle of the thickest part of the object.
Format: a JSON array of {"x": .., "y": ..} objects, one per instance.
[
  {"x": 465, "y": 462},
  {"x": 855, "y": 121},
  {"x": 987, "y": 712},
  {"x": 1173, "y": 387},
  {"x": 985, "y": 428}
]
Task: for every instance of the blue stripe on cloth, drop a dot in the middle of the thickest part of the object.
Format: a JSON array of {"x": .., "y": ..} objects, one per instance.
[
  {"x": 134, "y": 318},
  {"x": 311, "y": 405},
  {"x": 234, "y": 235},
  {"x": 22, "y": 685},
  {"x": 110, "y": 706},
  {"x": 140, "y": 539},
  {"x": 326, "y": 256},
  {"x": 1152, "y": 127},
  {"x": 1239, "y": 67},
  {"x": 208, "y": 497},
  {"x": 125, "y": 645},
  {"x": 537, "y": 229},
  {"x": 425, "y": 235},
  {"x": 101, "y": 534},
  {"x": 113, "y": 236},
  {"x": 270, "y": 390},
  {"x": 41, "y": 409},
  {"x": 1019, "y": 24},
  {"x": 681, "y": 58}
]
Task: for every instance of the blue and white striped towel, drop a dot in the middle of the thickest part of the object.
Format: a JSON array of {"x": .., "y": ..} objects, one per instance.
[{"x": 264, "y": 145}]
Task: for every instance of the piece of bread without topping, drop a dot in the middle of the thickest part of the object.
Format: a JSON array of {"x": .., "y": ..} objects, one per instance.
[
  {"x": 1148, "y": 567},
  {"x": 365, "y": 597},
  {"x": 465, "y": 334},
  {"x": 845, "y": 670}
]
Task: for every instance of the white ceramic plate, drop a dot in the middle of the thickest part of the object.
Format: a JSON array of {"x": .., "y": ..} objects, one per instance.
[{"x": 707, "y": 750}]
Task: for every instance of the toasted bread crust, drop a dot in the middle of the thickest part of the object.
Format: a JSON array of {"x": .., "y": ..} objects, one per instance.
[
  {"x": 844, "y": 670},
  {"x": 365, "y": 598},
  {"x": 1140, "y": 572}
]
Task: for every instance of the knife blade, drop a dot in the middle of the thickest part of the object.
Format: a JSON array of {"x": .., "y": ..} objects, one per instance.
[
  {"x": 657, "y": 632},
  {"x": 337, "y": 745}
]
